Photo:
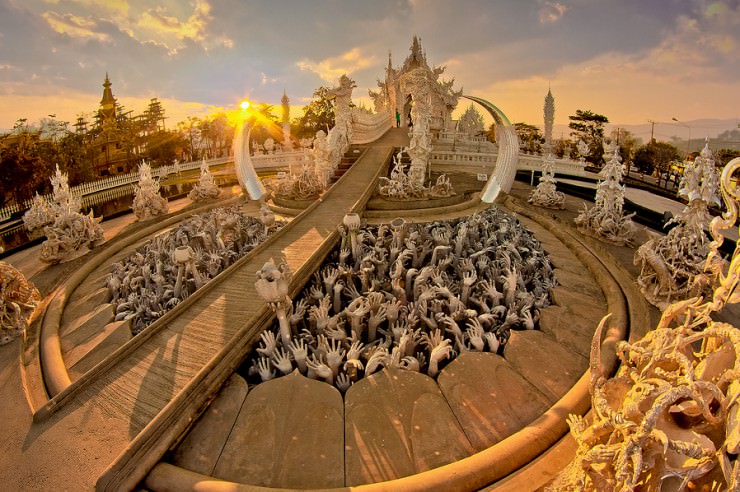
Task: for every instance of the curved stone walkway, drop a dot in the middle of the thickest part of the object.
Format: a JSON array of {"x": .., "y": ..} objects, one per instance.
[
  {"x": 131, "y": 406},
  {"x": 397, "y": 423}
]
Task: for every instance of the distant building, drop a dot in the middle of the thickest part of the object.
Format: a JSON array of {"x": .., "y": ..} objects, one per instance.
[
  {"x": 118, "y": 138},
  {"x": 394, "y": 93}
]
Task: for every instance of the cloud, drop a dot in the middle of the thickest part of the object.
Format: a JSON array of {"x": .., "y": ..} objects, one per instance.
[
  {"x": 551, "y": 12},
  {"x": 169, "y": 29},
  {"x": 330, "y": 69},
  {"x": 74, "y": 26},
  {"x": 171, "y": 26},
  {"x": 264, "y": 79}
]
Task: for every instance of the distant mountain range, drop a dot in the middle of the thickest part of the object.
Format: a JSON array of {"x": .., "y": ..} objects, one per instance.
[{"x": 678, "y": 132}]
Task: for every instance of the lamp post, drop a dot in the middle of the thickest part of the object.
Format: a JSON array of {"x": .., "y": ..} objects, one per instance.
[{"x": 688, "y": 144}]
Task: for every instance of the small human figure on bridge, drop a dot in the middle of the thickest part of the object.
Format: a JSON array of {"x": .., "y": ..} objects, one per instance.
[{"x": 398, "y": 119}]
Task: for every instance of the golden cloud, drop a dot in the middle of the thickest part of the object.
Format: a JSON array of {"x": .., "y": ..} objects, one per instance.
[
  {"x": 330, "y": 69},
  {"x": 165, "y": 26},
  {"x": 74, "y": 26}
]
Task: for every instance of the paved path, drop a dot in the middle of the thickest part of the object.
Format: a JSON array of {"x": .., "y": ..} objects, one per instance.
[
  {"x": 650, "y": 201},
  {"x": 111, "y": 409}
]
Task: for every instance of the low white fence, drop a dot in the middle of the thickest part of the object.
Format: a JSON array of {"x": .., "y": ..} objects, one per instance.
[
  {"x": 102, "y": 190},
  {"x": 528, "y": 162},
  {"x": 113, "y": 186}
]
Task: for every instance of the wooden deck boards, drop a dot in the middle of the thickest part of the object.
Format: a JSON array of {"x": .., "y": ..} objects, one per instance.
[{"x": 140, "y": 385}]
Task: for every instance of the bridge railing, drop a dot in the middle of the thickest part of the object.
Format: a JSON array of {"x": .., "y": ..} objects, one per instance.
[{"x": 368, "y": 127}]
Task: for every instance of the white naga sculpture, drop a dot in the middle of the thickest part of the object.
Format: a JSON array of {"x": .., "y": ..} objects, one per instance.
[
  {"x": 340, "y": 136},
  {"x": 18, "y": 299},
  {"x": 672, "y": 266},
  {"x": 401, "y": 186},
  {"x": 69, "y": 233},
  {"x": 320, "y": 154},
  {"x": 471, "y": 122},
  {"x": 148, "y": 202},
  {"x": 545, "y": 194},
  {"x": 205, "y": 188},
  {"x": 670, "y": 418},
  {"x": 408, "y": 296},
  {"x": 420, "y": 145},
  {"x": 272, "y": 285},
  {"x": 173, "y": 265},
  {"x": 606, "y": 219}
]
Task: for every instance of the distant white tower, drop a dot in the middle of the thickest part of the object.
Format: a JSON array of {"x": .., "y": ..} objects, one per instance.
[
  {"x": 549, "y": 119},
  {"x": 285, "y": 120}
]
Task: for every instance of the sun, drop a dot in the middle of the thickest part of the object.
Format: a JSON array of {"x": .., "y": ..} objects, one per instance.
[{"x": 244, "y": 104}]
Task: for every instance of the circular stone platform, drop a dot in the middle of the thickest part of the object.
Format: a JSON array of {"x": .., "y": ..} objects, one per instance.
[{"x": 486, "y": 415}]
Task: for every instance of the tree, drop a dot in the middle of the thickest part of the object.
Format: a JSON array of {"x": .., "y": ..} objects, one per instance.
[
  {"x": 563, "y": 147},
  {"x": 264, "y": 125},
  {"x": 317, "y": 115},
  {"x": 530, "y": 138},
  {"x": 656, "y": 155},
  {"x": 627, "y": 144},
  {"x": 23, "y": 171},
  {"x": 491, "y": 132},
  {"x": 589, "y": 127},
  {"x": 723, "y": 156}
]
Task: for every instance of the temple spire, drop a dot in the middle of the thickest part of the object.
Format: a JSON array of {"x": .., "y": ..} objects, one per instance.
[
  {"x": 286, "y": 108},
  {"x": 108, "y": 102}
]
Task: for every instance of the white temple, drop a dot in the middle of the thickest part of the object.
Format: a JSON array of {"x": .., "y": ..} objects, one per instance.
[{"x": 395, "y": 92}]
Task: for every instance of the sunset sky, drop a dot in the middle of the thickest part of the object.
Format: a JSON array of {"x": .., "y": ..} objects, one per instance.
[{"x": 632, "y": 60}]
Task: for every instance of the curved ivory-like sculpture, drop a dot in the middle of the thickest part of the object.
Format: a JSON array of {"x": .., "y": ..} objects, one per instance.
[
  {"x": 670, "y": 418},
  {"x": 508, "y": 153},
  {"x": 245, "y": 173}
]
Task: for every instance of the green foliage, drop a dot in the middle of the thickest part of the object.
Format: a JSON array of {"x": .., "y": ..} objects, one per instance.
[
  {"x": 317, "y": 115},
  {"x": 530, "y": 138},
  {"x": 563, "y": 147},
  {"x": 23, "y": 168},
  {"x": 163, "y": 147},
  {"x": 655, "y": 155},
  {"x": 264, "y": 125},
  {"x": 491, "y": 133},
  {"x": 589, "y": 127},
  {"x": 723, "y": 156}
]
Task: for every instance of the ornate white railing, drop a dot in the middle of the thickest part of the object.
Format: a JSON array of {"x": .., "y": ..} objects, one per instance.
[
  {"x": 528, "y": 162},
  {"x": 121, "y": 183},
  {"x": 462, "y": 157},
  {"x": 279, "y": 159},
  {"x": 368, "y": 127}
]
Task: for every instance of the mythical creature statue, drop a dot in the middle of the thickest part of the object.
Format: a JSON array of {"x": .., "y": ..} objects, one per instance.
[
  {"x": 606, "y": 219},
  {"x": 672, "y": 266},
  {"x": 18, "y": 299},
  {"x": 340, "y": 136},
  {"x": 402, "y": 186},
  {"x": 148, "y": 202},
  {"x": 546, "y": 194},
  {"x": 670, "y": 418},
  {"x": 205, "y": 189},
  {"x": 69, "y": 233},
  {"x": 407, "y": 296}
]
